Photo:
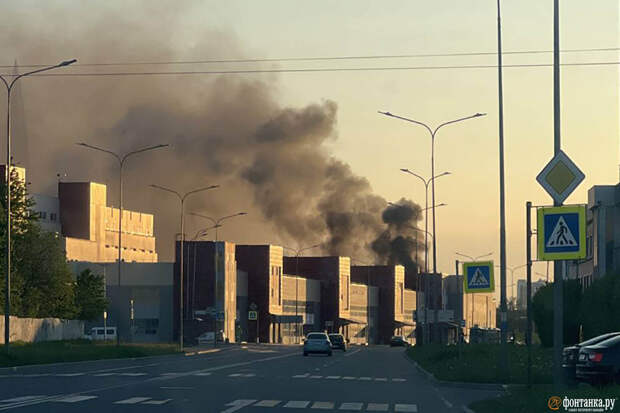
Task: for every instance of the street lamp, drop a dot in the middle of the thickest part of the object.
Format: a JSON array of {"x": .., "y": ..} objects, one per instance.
[
  {"x": 182, "y": 201},
  {"x": 433, "y": 132},
  {"x": 474, "y": 258},
  {"x": 426, "y": 183},
  {"x": 121, "y": 163},
  {"x": 298, "y": 252},
  {"x": 7, "y": 290},
  {"x": 217, "y": 221}
]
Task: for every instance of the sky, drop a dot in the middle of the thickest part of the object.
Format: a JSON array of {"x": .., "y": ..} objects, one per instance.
[{"x": 375, "y": 146}]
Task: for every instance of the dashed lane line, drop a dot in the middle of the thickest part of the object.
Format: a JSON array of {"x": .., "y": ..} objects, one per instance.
[
  {"x": 351, "y": 406},
  {"x": 133, "y": 400},
  {"x": 268, "y": 403}
]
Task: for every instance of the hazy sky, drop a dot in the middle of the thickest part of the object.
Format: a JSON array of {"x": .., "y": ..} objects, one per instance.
[{"x": 376, "y": 146}]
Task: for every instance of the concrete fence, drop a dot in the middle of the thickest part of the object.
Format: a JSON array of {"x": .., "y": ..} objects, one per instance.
[{"x": 42, "y": 329}]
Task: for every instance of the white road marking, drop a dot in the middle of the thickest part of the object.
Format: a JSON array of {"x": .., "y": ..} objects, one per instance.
[
  {"x": 406, "y": 408},
  {"x": 177, "y": 388},
  {"x": 377, "y": 407},
  {"x": 133, "y": 400},
  {"x": 237, "y": 405},
  {"x": 74, "y": 399},
  {"x": 21, "y": 399},
  {"x": 69, "y": 374},
  {"x": 365, "y": 378},
  {"x": 301, "y": 376},
  {"x": 349, "y": 378},
  {"x": 380, "y": 379},
  {"x": 323, "y": 405},
  {"x": 297, "y": 404},
  {"x": 351, "y": 406},
  {"x": 399, "y": 380},
  {"x": 133, "y": 374},
  {"x": 248, "y": 375},
  {"x": 156, "y": 401},
  {"x": 105, "y": 374},
  {"x": 316, "y": 377},
  {"x": 332, "y": 377},
  {"x": 234, "y": 375},
  {"x": 267, "y": 403},
  {"x": 353, "y": 352},
  {"x": 203, "y": 374}
]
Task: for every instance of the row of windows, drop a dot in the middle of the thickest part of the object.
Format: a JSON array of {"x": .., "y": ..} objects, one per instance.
[
  {"x": 132, "y": 249},
  {"x": 43, "y": 215}
]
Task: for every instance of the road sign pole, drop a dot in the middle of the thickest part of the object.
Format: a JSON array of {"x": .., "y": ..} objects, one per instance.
[
  {"x": 558, "y": 281},
  {"x": 528, "y": 302}
]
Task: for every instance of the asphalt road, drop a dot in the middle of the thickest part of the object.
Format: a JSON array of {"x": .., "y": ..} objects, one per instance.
[{"x": 252, "y": 378}]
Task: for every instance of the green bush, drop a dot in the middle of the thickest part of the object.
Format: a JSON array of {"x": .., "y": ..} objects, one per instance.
[{"x": 542, "y": 312}]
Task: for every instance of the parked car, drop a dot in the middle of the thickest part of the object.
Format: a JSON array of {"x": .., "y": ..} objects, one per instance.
[
  {"x": 396, "y": 341},
  {"x": 570, "y": 354},
  {"x": 207, "y": 338},
  {"x": 338, "y": 341},
  {"x": 600, "y": 363},
  {"x": 317, "y": 343},
  {"x": 100, "y": 333}
]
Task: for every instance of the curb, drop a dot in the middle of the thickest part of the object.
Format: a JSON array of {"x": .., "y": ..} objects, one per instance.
[
  {"x": 443, "y": 383},
  {"x": 195, "y": 353}
]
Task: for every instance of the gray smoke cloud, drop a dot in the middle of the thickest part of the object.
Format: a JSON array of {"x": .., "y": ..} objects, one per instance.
[{"x": 271, "y": 161}]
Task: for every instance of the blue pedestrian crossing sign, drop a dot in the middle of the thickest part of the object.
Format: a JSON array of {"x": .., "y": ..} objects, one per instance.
[
  {"x": 478, "y": 277},
  {"x": 561, "y": 233}
]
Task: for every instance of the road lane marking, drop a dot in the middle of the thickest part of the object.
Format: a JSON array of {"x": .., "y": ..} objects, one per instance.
[
  {"x": 377, "y": 407},
  {"x": 234, "y": 375},
  {"x": 399, "y": 380},
  {"x": 332, "y": 377},
  {"x": 351, "y": 406},
  {"x": 237, "y": 405},
  {"x": 297, "y": 404},
  {"x": 301, "y": 376},
  {"x": 132, "y": 374},
  {"x": 69, "y": 374},
  {"x": 133, "y": 400},
  {"x": 74, "y": 399},
  {"x": 267, "y": 403},
  {"x": 365, "y": 378},
  {"x": 413, "y": 408},
  {"x": 203, "y": 374},
  {"x": 353, "y": 352},
  {"x": 105, "y": 374},
  {"x": 248, "y": 375},
  {"x": 380, "y": 379},
  {"x": 349, "y": 378},
  {"x": 156, "y": 402},
  {"x": 323, "y": 405},
  {"x": 316, "y": 377},
  {"x": 21, "y": 399}
]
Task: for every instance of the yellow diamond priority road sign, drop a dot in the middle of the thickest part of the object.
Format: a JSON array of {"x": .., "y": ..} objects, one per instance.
[{"x": 560, "y": 177}]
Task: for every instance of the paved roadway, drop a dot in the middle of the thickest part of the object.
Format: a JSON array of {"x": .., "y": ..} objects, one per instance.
[{"x": 245, "y": 379}]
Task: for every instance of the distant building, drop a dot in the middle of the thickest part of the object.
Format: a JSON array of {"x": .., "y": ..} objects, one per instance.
[
  {"x": 47, "y": 209},
  {"x": 522, "y": 292}
]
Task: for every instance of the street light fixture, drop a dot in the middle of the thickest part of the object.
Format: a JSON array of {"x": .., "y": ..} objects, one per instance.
[
  {"x": 433, "y": 132},
  {"x": 298, "y": 252},
  {"x": 217, "y": 221},
  {"x": 7, "y": 290},
  {"x": 121, "y": 163},
  {"x": 182, "y": 202},
  {"x": 474, "y": 258}
]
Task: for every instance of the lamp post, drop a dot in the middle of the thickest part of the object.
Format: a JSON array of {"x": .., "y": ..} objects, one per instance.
[
  {"x": 512, "y": 279},
  {"x": 426, "y": 208},
  {"x": 182, "y": 202},
  {"x": 298, "y": 252},
  {"x": 217, "y": 221},
  {"x": 7, "y": 290},
  {"x": 433, "y": 132},
  {"x": 121, "y": 163}
]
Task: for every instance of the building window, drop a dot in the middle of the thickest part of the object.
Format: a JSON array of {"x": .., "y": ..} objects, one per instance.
[
  {"x": 43, "y": 215},
  {"x": 52, "y": 217}
]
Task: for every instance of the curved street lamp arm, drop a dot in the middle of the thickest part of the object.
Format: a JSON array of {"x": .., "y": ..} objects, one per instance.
[
  {"x": 199, "y": 190},
  {"x": 482, "y": 256},
  {"x": 150, "y": 148},
  {"x": 476, "y": 115},
  {"x": 86, "y": 145},
  {"x": 16, "y": 78},
  {"x": 205, "y": 217},
  {"x": 409, "y": 120},
  {"x": 466, "y": 256},
  {"x": 167, "y": 190},
  {"x": 230, "y": 216},
  {"x": 416, "y": 175}
]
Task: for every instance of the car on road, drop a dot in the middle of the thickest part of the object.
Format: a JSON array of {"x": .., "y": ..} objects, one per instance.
[
  {"x": 317, "y": 343},
  {"x": 338, "y": 341},
  {"x": 398, "y": 341},
  {"x": 207, "y": 338},
  {"x": 600, "y": 363},
  {"x": 571, "y": 354}
]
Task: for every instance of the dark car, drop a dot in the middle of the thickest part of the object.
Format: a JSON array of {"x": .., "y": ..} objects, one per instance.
[
  {"x": 338, "y": 341},
  {"x": 396, "y": 341},
  {"x": 600, "y": 363},
  {"x": 570, "y": 354},
  {"x": 317, "y": 343}
]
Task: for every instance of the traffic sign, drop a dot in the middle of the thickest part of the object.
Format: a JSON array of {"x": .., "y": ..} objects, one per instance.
[
  {"x": 561, "y": 233},
  {"x": 560, "y": 177},
  {"x": 253, "y": 306},
  {"x": 252, "y": 315},
  {"x": 220, "y": 316},
  {"x": 478, "y": 277}
]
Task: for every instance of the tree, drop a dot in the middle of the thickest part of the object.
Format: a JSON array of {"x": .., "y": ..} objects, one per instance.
[
  {"x": 542, "y": 312},
  {"x": 90, "y": 295},
  {"x": 600, "y": 306},
  {"x": 41, "y": 281}
]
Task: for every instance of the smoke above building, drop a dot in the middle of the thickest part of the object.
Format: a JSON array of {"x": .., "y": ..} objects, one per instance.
[{"x": 270, "y": 161}]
